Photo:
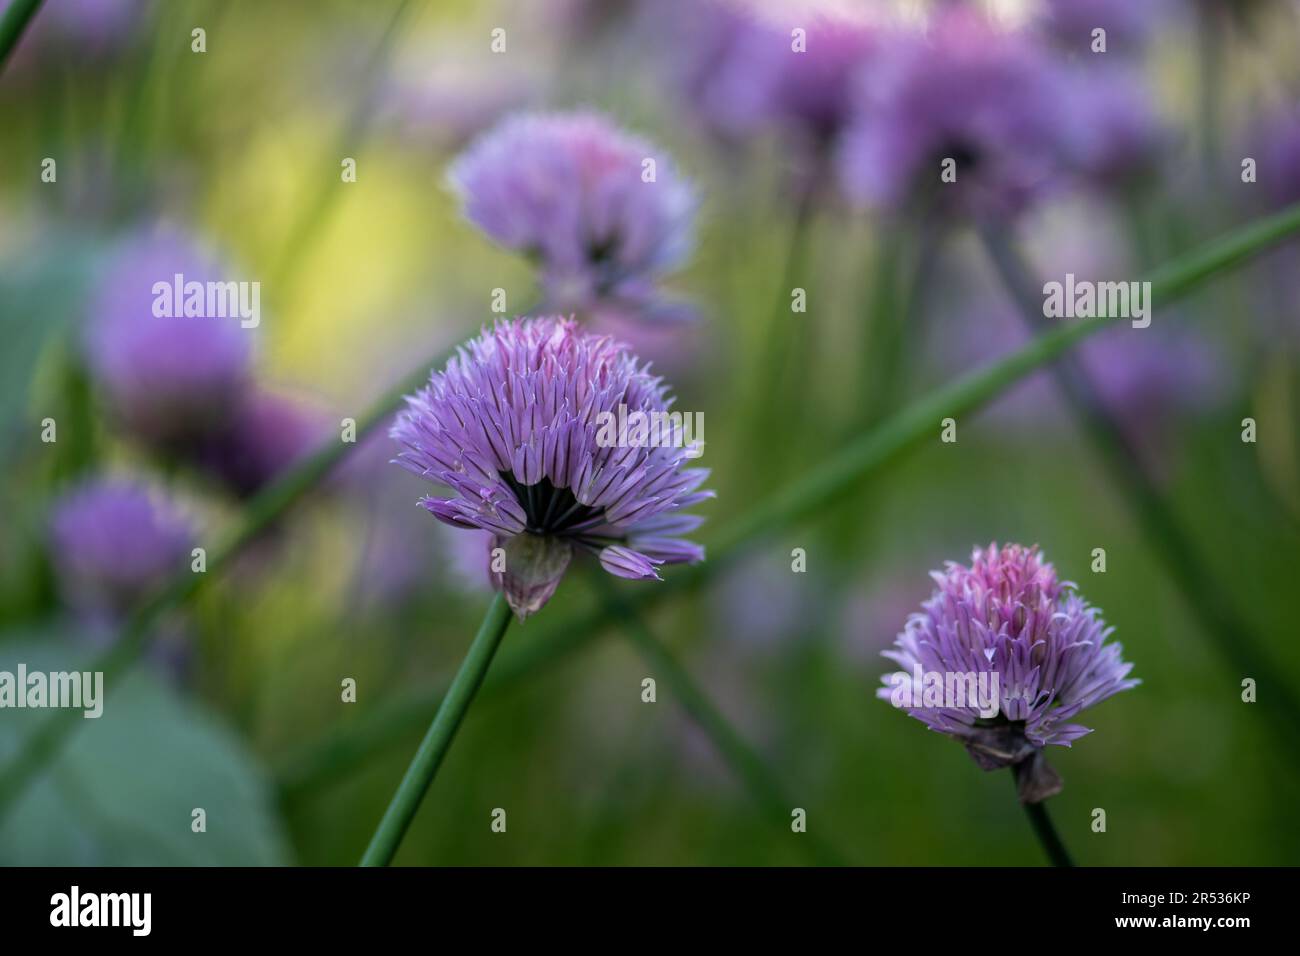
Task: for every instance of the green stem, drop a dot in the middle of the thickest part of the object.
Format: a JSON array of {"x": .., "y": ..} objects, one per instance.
[
  {"x": 1174, "y": 546},
  {"x": 559, "y": 636},
  {"x": 419, "y": 775},
  {"x": 897, "y": 315},
  {"x": 1043, "y": 827},
  {"x": 744, "y": 761},
  {"x": 15, "y": 21}
]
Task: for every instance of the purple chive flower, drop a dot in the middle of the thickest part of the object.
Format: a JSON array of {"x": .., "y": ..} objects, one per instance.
[
  {"x": 1038, "y": 650},
  {"x": 112, "y": 542},
  {"x": 570, "y": 190},
  {"x": 168, "y": 380},
  {"x": 266, "y": 434},
  {"x": 517, "y": 428},
  {"x": 965, "y": 92}
]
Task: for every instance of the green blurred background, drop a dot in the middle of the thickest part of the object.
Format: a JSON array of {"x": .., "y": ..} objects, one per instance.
[{"x": 242, "y": 145}]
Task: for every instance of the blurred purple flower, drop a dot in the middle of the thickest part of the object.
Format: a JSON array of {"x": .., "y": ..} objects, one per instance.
[
  {"x": 814, "y": 90},
  {"x": 739, "y": 73},
  {"x": 112, "y": 542},
  {"x": 1152, "y": 380},
  {"x": 1148, "y": 379},
  {"x": 466, "y": 555},
  {"x": 1128, "y": 23},
  {"x": 1279, "y": 158},
  {"x": 173, "y": 380},
  {"x": 1274, "y": 143},
  {"x": 762, "y": 605},
  {"x": 1115, "y": 137},
  {"x": 567, "y": 189},
  {"x": 870, "y": 614},
  {"x": 401, "y": 563},
  {"x": 1008, "y": 617},
  {"x": 266, "y": 434},
  {"x": 727, "y": 69},
  {"x": 512, "y": 426},
  {"x": 967, "y": 92}
]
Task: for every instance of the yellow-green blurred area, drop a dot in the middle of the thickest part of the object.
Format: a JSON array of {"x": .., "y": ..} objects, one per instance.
[{"x": 240, "y": 708}]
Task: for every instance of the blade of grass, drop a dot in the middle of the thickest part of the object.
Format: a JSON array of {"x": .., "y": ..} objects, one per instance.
[{"x": 558, "y": 636}]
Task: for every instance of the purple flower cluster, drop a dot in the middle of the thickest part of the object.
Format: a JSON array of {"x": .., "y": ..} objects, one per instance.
[
  {"x": 1007, "y": 615},
  {"x": 511, "y": 428},
  {"x": 604, "y": 213},
  {"x": 890, "y": 105},
  {"x": 113, "y": 542}
]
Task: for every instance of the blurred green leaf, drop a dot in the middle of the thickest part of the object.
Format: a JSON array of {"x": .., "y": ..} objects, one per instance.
[{"x": 123, "y": 791}]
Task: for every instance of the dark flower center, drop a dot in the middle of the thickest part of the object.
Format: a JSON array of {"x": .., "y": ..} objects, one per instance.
[
  {"x": 601, "y": 251},
  {"x": 551, "y": 510},
  {"x": 966, "y": 155}
]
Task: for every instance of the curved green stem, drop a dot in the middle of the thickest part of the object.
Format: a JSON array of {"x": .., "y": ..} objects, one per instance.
[
  {"x": 424, "y": 766},
  {"x": 15, "y": 21}
]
